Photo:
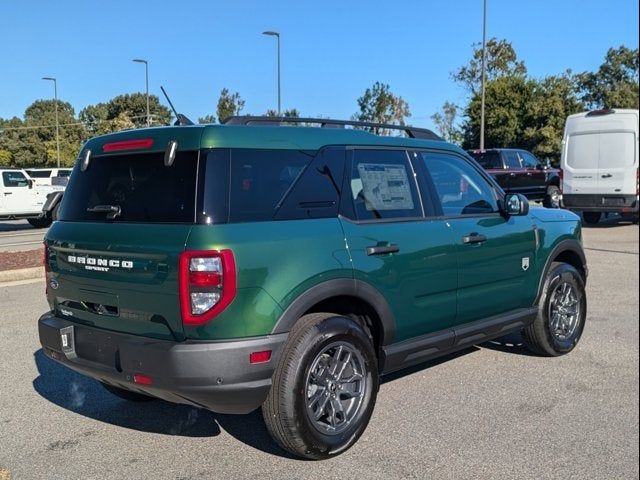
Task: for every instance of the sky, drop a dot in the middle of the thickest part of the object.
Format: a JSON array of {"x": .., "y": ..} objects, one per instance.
[{"x": 331, "y": 50}]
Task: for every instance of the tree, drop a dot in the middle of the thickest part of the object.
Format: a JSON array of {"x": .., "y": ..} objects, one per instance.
[
  {"x": 615, "y": 84},
  {"x": 445, "y": 122},
  {"x": 378, "y": 104},
  {"x": 93, "y": 116},
  {"x": 501, "y": 60},
  {"x": 134, "y": 105},
  {"x": 207, "y": 119},
  {"x": 229, "y": 104},
  {"x": 291, "y": 113}
]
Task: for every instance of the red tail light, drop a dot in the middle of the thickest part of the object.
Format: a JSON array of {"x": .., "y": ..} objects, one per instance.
[
  {"x": 637, "y": 182},
  {"x": 45, "y": 257},
  {"x": 561, "y": 175},
  {"x": 135, "y": 144},
  {"x": 207, "y": 282}
]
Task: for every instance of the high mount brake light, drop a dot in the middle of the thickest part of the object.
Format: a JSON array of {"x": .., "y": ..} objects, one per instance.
[
  {"x": 135, "y": 144},
  {"x": 207, "y": 282}
]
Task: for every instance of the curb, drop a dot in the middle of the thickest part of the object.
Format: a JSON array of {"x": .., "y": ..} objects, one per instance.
[{"x": 21, "y": 274}]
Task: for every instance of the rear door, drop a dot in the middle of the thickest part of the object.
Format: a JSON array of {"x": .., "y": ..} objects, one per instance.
[
  {"x": 494, "y": 253},
  {"x": 18, "y": 196},
  {"x": 535, "y": 177},
  {"x": 114, "y": 251},
  {"x": 395, "y": 245},
  {"x": 517, "y": 181},
  {"x": 617, "y": 162}
]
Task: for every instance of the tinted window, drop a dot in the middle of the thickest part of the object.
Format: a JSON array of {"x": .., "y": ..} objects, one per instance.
[
  {"x": 383, "y": 186},
  {"x": 64, "y": 173},
  {"x": 140, "y": 185},
  {"x": 259, "y": 180},
  {"x": 528, "y": 160},
  {"x": 461, "y": 188},
  {"x": 488, "y": 159},
  {"x": 14, "y": 179},
  {"x": 39, "y": 173},
  {"x": 511, "y": 159}
]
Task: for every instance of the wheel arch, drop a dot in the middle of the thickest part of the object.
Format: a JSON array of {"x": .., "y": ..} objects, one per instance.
[
  {"x": 567, "y": 251},
  {"x": 347, "y": 297}
]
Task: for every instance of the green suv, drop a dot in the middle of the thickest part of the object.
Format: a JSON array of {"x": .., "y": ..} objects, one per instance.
[{"x": 266, "y": 263}]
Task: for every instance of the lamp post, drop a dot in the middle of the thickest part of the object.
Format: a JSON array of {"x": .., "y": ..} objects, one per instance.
[
  {"x": 146, "y": 83},
  {"x": 55, "y": 93},
  {"x": 484, "y": 71},
  {"x": 277, "y": 35}
]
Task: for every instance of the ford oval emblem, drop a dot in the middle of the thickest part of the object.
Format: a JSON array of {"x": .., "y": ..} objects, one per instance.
[{"x": 53, "y": 283}]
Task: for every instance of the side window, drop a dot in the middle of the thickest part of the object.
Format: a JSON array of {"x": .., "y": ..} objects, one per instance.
[
  {"x": 259, "y": 180},
  {"x": 488, "y": 159},
  {"x": 383, "y": 186},
  {"x": 14, "y": 179},
  {"x": 461, "y": 188},
  {"x": 528, "y": 160},
  {"x": 511, "y": 159}
]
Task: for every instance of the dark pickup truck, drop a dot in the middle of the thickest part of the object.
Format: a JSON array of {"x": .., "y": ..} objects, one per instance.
[{"x": 519, "y": 171}]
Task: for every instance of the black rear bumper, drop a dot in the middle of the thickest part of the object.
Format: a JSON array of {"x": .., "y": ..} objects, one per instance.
[
  {"x": 600, "y": 203},
  {"x": 213, "y": 375}
]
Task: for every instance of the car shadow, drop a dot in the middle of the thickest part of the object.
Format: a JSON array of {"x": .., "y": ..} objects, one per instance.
[
  {"x": 612, "y": 221},
  {"x": 85, "y": 396},
  {"x": 511, "y": 343},
  {"x": 427, "y": 365}
]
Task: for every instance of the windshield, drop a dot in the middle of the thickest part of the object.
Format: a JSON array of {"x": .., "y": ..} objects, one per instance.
[{"x": 133, "y": 188}]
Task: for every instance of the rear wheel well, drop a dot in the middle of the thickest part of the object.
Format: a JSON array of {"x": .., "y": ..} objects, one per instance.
[
  {"x": 357, "y": 309},
  {"x": 572, "y": 258}
]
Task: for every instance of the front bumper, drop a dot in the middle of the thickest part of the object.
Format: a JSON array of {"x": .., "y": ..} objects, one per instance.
[
  {"x": 213, "y": 375},
  {"x": 601, "y": 203}
]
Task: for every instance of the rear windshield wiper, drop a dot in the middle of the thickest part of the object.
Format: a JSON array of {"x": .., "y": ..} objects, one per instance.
[{"x": 112, "y": 211}]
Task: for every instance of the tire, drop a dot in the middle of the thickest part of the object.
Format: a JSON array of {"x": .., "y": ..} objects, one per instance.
[
  {"x": 127, "y": 394},
  {"x": 39, "y": 222},
  {"x": 552, "y": 198},
  {"x": 319, "y": 341},
  {"x": 54, "y": 212},
  {"x": 541, "y": 337},
  {"x": 591, "y": 218}
]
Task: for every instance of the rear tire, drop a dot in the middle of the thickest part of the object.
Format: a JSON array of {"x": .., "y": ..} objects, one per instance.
[
  {"x": 592, "y": 218},
  {"x": 562, "y": 311},
  {"x": 127, "y": 394},
  {"x": 552, "y": 198},
  {"x": 43, "y": 222},
  {"x": 324, "y": 387}
]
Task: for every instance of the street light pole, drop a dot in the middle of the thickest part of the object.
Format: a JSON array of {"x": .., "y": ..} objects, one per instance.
[
  {"x": 277, "y": 35},
  {"x": 484, "y": 71},
  {"x": 55, "y": 94},
  {"x": 146, "y": 82}
]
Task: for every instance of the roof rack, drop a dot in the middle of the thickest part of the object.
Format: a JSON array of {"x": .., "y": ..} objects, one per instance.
[{"x": 411, "y": 132}]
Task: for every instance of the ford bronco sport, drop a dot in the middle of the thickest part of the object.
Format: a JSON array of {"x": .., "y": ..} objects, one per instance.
[{"x": 260, "y": 264}]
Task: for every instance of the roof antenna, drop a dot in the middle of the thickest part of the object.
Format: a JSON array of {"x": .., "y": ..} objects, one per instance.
[{"x": 180, "y": 118}]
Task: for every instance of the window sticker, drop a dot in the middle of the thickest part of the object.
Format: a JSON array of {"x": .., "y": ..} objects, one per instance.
[{"x": 385, "y": 186}]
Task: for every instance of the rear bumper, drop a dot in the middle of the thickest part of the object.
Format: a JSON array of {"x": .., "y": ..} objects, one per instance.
[
  {"x": 213, "y": 375},
  {"x": 600, "y": 203}
]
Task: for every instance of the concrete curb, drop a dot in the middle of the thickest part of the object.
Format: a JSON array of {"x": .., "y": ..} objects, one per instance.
[{"x": 21, "y": 274}]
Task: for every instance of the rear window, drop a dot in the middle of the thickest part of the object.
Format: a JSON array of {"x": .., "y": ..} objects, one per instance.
[
  {"x": 488, "y": 160},
  {"x": 63, "y": 173},
  {"x": 39, "y": 173},
  {"x": 139, "y": 186}
]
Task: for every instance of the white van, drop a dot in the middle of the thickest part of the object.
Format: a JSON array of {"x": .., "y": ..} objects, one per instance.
[
  {"x": 599, "y": 163},
  {"x": 48, "y": 176}
]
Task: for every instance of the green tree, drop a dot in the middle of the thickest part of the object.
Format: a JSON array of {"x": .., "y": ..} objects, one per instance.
[
  {"x": 291, "y": 113},
  {"x": 134, "y": 105},
  {"x": 501, "y": 61},
  {"x": 207, "y": 119},
  {"x": 229, "y": 104},
  {"x": 378, "y": 104},
  {"x": 615, "y": 84},
  {"x": 445, "y": 122},
  {"x": 93, "y": 117}
]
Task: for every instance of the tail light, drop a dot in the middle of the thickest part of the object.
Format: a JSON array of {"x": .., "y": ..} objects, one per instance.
[
  {"x": 561, "y": 175},
  {"x": 45, "y": 257},
  {"x": 637, "y": 183},
  {"x": 207, "y": 281}
]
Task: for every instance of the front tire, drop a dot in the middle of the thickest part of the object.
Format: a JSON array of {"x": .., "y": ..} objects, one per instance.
[
  {"x": 324, "y": 387},
  {"x": 562, "y": 311},
  {"x": 552, "y": 198}
]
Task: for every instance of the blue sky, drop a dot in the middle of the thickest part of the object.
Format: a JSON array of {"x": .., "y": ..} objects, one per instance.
[{"x": 331, "y": 50}]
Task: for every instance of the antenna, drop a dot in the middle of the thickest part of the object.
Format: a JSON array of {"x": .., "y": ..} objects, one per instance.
[{"x": 180, "y": 118}]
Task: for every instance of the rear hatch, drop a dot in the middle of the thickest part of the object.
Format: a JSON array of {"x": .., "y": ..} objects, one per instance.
[{"x": 125, "y": 219}]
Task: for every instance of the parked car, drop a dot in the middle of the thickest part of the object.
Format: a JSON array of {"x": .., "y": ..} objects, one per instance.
[
  {"x": 600, "y": 163},
  {"x": 519, "y": 171},
  {"x": 22, "y": 198},
  {"x": 46, "y": 176},
  {"x": 242, "y": 265}
]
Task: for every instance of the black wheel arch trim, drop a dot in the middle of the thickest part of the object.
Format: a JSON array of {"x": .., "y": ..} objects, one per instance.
[
  {"x": 337, "y": 288},
  {"x": 567, "y": 245},
  {"x": 53, "y": 199}
]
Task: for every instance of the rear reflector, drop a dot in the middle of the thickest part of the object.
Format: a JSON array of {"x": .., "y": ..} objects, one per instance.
[
  {"x": 136, "y": 144},
  {"x": 260, "y": 357},
  {"x": 142, "y": 379}
]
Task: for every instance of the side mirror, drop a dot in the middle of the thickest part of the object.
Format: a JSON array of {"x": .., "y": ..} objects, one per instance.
[
  {"x": 516, "y": 204},
  {"x": 30, "y": 183}
]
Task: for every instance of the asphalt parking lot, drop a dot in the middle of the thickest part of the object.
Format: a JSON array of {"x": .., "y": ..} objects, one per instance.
[{"x": 492, "y": 411}]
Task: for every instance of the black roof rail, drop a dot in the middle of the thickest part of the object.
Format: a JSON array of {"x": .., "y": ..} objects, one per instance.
[{"x": 411, "y": 132}]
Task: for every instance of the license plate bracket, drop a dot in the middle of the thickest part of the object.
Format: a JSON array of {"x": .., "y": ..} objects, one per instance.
[{"x": 68, "y": 342}]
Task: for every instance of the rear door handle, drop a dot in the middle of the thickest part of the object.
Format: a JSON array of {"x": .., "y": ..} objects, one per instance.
[
  {"x": 474, "y": 238},
  {"x": 608, "y": 175},
  {"x": 381, "y": 250},
  {"x": 8, "y": 193}
]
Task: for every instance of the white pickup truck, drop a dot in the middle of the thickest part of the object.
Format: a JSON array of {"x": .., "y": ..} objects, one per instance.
[{"x": 21, "y": 198}]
